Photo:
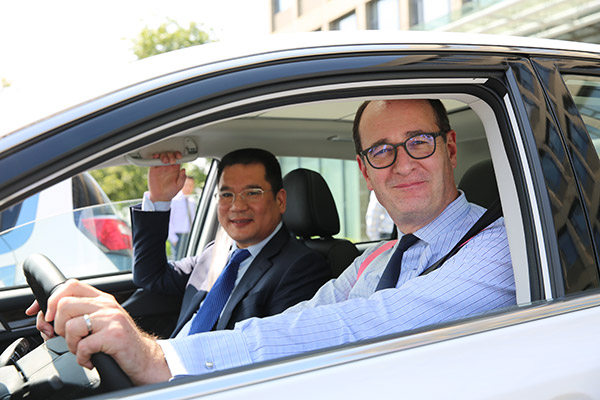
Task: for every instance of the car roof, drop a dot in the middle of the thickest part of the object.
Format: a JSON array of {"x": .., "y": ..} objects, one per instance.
[{"x": 282, "y": 46}]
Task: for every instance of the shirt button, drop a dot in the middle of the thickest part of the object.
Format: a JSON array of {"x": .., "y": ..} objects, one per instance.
[{"x": 209, "y": 365}]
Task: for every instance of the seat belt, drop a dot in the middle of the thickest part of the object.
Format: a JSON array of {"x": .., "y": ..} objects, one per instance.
[{"x": 491, "y": 215}]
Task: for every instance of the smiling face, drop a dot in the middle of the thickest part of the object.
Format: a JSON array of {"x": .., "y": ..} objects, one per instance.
[
  {"x": 249, "y": 222},
  {"x": 414, "y": 192}
]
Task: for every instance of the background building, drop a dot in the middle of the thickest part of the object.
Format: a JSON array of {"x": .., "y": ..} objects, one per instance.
[{"x": 577, "y": 20}]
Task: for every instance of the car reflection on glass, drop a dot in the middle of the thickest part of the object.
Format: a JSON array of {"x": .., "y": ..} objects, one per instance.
[{"x": 74, "y": 211}]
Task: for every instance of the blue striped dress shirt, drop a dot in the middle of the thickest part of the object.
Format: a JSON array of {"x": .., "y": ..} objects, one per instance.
[{"x": 478, "y": 279}]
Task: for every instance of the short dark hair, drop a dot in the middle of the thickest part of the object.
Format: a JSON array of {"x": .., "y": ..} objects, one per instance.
[
  {"x": 441, "y": 119},
  {"x": 255, "y": 156}
]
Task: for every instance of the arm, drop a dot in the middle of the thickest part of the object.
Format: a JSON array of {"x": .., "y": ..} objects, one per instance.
[
  {"x": 476, "y": 280},
  {"x": 151, "y": 270}
]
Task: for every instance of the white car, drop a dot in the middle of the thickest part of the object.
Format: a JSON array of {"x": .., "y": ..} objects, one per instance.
[
  {"x": 74, "y": 214},
  {"x": 529, "y": 108}
]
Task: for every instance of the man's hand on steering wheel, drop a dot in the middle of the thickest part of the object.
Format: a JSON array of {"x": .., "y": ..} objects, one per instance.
[{"x": 92, "y": 321}]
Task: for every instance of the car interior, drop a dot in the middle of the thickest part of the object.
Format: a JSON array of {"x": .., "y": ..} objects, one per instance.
[{"x": 313, "y": 141}]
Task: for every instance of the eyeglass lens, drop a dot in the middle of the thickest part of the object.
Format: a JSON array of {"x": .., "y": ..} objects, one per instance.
[{"x": 418, "y": 147}]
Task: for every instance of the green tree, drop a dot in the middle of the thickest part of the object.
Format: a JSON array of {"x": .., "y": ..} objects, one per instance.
[
  {"x": 129, "y": 182},
  {"x": 124, "y": 182},
  {"x": 168, "y": 36}
]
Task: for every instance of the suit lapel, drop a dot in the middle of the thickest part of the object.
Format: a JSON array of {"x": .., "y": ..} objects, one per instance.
[
  {"x": 260, "y": 265},
  {"x": 186, "y": 314}
]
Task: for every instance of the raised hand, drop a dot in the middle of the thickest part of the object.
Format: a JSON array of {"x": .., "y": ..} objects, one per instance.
[{"x": 166, "y": 181}]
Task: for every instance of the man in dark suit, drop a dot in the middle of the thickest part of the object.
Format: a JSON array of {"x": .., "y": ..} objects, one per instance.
[{"x": 279, "y": 271}]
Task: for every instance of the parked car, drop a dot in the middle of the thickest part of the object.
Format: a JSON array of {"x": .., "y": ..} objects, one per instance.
[
  {"x": 75, "y": 211},
  {"x": 530, "y": 106}
]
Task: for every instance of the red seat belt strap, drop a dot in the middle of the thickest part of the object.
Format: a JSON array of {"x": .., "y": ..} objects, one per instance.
[{"x": 373, "y": 255}]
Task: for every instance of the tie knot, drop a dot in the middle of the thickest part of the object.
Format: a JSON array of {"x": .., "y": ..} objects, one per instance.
[
  {"x": 407, "y": 241},
  {"x": 239, "y": 255}
]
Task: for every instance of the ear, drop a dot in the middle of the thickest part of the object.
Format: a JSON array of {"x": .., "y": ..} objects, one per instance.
[
  {"x": 280, "y": 200},
  {"x": 363, "y": 169},
  {"x": 451, "y": 147}
]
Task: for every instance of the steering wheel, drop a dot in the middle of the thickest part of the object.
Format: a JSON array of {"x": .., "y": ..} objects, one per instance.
[{"x": 44, "y": 278}]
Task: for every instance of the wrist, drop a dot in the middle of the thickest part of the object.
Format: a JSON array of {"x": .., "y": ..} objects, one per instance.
[
  {"x": 155, "y": 369},
  {"x": 149, "y": 205}
]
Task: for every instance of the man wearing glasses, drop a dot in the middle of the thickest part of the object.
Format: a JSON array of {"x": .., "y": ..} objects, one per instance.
[
  {"x": 406, "y": 151},
  {"x": 267, "y": 269}
]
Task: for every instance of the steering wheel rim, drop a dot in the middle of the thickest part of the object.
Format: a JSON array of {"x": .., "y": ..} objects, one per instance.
[{"x": 43, "y": 277}]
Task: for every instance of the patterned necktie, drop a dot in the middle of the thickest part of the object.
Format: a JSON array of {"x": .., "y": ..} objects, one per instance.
[
  {"x": 390, "y": 275},
  {"x": 211, "y": 308}
]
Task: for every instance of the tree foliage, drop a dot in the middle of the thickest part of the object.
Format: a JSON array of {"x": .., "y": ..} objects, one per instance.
[
  {"x": 123, "y": 182},
  {"x": 130, "y": 182},
  {"x": 167, "y": 37}
]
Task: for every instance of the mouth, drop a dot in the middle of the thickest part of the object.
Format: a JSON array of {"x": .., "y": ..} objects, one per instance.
[
  {"x": 409, "y": 185},
  {"x": 239, "y": 222}
]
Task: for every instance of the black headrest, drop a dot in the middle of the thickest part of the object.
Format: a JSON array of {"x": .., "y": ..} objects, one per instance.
[
  {"x": 479, "y": 184},
  {"x": 310, "y": 210}
]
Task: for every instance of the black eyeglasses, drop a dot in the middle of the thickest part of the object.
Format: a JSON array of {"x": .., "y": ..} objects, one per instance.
[{"x": 418, "y": 147}]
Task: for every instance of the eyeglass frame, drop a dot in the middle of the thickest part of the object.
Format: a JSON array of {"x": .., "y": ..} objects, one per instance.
[
  {"x": 241, "y": 196},
  {"x": 435, "y": 135}
]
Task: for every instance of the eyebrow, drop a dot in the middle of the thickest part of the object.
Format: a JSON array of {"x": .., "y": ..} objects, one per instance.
[
  {"x": 407, "y": 136},
  {"x": 251, "y": 186}
]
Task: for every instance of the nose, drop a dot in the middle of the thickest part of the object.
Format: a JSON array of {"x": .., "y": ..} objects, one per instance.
[
  {"x": 239, "y": 203},
  {"x": 404, "y": 163}
]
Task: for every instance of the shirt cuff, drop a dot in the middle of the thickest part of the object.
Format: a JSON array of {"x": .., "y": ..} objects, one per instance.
[
  {"x": 205, "y": 353},
  {"x": 148, "y": 205}
]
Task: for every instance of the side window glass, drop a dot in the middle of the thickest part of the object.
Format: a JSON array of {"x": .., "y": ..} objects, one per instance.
[
  {"x": 83, "y": 224},
  {"x": 82, "y": 237},
  {"x": 586, "y": 93},
  {"x": 585, "y": 90}
]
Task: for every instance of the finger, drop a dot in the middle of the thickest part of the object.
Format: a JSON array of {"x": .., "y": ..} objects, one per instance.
[
  {"x": 174, "y": 156},
  {"x": 181, "y": 178},
  {"x": 170, "y": 157},
  {"x": 45, "y": 328},
  {"x": 33, "y": 308},
  {"x": 84, "y": 350},
  {"x": 77, "y": 329},
  {"x": 71, "y": 288},
  {"x": 75, "y": 307},
  {"x": 113, "y": 333}
]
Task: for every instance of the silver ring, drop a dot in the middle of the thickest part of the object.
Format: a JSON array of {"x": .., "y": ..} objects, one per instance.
[{"x": 88, "y": 323}]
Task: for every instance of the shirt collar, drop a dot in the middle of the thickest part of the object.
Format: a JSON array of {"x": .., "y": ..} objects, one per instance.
[{"x": 446, "y": 221}]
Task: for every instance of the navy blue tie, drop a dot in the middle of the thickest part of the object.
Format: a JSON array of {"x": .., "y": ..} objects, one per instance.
[
  {"x": 390, "y": 275},
  {"x": 211, "y": 308}
]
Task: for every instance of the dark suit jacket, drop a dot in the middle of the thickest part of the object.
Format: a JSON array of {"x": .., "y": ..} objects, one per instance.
[{"x": 284, "y": 273}]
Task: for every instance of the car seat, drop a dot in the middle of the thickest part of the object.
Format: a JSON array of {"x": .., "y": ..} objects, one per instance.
[
  {"x": 479, "y": 184},
  {"x": 311, "y": 215}
]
